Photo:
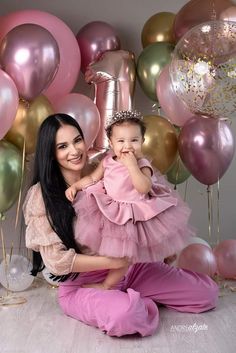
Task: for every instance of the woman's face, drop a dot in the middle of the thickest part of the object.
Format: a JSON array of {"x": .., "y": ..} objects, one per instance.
[{"x": 70, "y": 151}]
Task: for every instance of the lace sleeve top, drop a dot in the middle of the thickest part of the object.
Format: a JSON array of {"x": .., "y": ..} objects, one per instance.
[{"x": 41, "y": 237}]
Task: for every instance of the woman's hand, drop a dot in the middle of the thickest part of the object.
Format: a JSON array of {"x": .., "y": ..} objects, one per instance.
[{"x": 71, "y": 193}]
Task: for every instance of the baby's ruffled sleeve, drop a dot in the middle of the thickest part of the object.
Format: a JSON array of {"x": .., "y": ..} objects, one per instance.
[{"x": 41, "y": 237}]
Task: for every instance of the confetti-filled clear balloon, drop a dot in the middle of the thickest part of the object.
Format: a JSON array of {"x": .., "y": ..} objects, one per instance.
[
  {"x": 15, "y": 273},
  {"x": 203, "y": 69}
]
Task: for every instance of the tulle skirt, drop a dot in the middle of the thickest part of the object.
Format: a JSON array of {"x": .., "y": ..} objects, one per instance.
[{"x": 162, "y": 235}]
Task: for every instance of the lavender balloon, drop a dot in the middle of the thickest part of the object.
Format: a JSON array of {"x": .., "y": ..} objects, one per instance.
[
  {"x": 206, "y": 146},
  {"x": 30, "y": 56}
]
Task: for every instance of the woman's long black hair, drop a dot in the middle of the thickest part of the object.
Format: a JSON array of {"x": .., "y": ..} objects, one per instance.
[{"x": 47, "y": 172}]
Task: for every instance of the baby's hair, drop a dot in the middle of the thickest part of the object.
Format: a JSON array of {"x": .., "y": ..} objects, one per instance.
[{"x": 125, "y": 116}]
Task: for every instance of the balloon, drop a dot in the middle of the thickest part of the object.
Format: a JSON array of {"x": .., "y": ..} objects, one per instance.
[
  {"x": 149, "y": 65},
  {"x": 47, "y": 274},
  {"x": 158, "y": 28},
  {"x": 206, "y": 146},
  {"x": 9, "y": 103},
  {"x": 27, "y": 122},
  {"x": 197, "y": 258},
  {"x": 174, "y": 108},
  {"x": 30, "y": 55},
  {"x": 95, "y": 38},
  {"x": 10, "y": 174},
  {"x": 113, "y": 75},
  {"x": 178, "y": 173},
  {"x": 191, "y": 240},
  {"x": 197, "y": 240},
  {"x": 160, "y": 143},
  {"x": 70, "y": 59},
  {"x": 203, "y": 74},
  {"x": 15, "y": 273},
  {"x": 82, "y": 109},
  {"x": 196, "y": 12},
  {"x": 225, "y": 253},
  {"x": 229, "y": 14}
]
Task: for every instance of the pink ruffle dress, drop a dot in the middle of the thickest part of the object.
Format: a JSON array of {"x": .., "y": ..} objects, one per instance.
[{"x": 115, "y": 220}]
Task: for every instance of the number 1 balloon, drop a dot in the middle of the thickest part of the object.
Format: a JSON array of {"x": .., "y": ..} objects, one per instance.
[{"x": 113, "y": 75}]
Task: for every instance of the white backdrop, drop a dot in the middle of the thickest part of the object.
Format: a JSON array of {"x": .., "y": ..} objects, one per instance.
[{"x": 128, "y": 18}]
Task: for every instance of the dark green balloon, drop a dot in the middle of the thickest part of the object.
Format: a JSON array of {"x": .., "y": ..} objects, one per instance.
[
  {"x": 150, "y": 63},
  {"x": 178, "y": 173},
  {"x": 10, "y": 174}
]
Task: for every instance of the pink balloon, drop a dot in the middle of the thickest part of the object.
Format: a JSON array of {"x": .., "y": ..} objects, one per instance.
[
  {"x": 9, "y": 103},
  {"x": 198, "y": 258},
  {"x": 94, "y": 39},
  {"x": 206, "y": 146},
  {"x": 84, "y": 111},
  {"x": 174, "y": 108},
  {"x": 70, "y": 58},
  {"x": 30, "y": 55},
  {"x": 225, "y": 253}
]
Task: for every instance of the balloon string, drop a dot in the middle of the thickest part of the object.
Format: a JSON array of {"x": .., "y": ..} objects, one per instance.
[
  {"x": 218, "y": 211},
  {"x": 185, "y": 190},
  {"x": 209, "y": 202},
  {"x": 177, "y": 171},
  {"x": 4, "y": 258},
  {"x": 21, "y": 184}
]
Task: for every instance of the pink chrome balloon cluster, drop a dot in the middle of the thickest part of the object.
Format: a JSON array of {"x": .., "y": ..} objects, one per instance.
[{"x": 199, "y": 257}]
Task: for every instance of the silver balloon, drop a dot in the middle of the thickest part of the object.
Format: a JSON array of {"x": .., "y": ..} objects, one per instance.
[{"x": 15, "y": 273}]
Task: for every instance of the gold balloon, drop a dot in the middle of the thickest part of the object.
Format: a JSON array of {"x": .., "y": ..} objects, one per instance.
[
  {"x": 161, "y": 144},
  {"x": 158, "y": 28},
  {"x": 28, "y": 119}
]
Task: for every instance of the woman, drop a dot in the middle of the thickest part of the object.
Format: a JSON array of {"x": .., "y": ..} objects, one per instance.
[{"x": 128, "y": 308}]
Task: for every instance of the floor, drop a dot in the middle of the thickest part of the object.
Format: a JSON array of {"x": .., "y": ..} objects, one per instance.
[{"x": 39, "y": 326}]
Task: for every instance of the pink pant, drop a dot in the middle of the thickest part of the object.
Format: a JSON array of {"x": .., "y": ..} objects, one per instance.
[{"x": 131, "y": 307}]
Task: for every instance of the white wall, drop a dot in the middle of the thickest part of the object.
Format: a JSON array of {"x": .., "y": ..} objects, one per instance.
[{"x": 128, "y": 18}]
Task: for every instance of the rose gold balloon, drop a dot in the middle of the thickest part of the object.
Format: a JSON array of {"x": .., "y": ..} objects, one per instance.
[
  {"x": 113, "y": 75},
  {"x": 94, "y": 39},
  {"x": 28, "y": 119},
  {"x": 160, "y": 143},
  {"x": 206, "y": 146},
  {"x": 229, "y": 14},
  {"x": 196, "y": 12},
  {"x": 225, "y": 253},
  {"x": 30, "y": 56},
  {"x": 198, "y": 258},
  {"x": 158, "y": 28}
]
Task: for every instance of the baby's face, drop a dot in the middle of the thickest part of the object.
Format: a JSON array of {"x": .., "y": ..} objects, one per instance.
[{"x": 126, "y": 138}]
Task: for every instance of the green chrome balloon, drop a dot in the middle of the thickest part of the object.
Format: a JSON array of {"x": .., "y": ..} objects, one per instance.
[
  {"x": 150, "y": 63},
  {"x": 178, "y": 173},
  {"x": 10, "y": 174}
]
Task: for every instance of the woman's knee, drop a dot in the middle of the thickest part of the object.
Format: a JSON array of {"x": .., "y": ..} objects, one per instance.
[{"x": 133, "y": 315}]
